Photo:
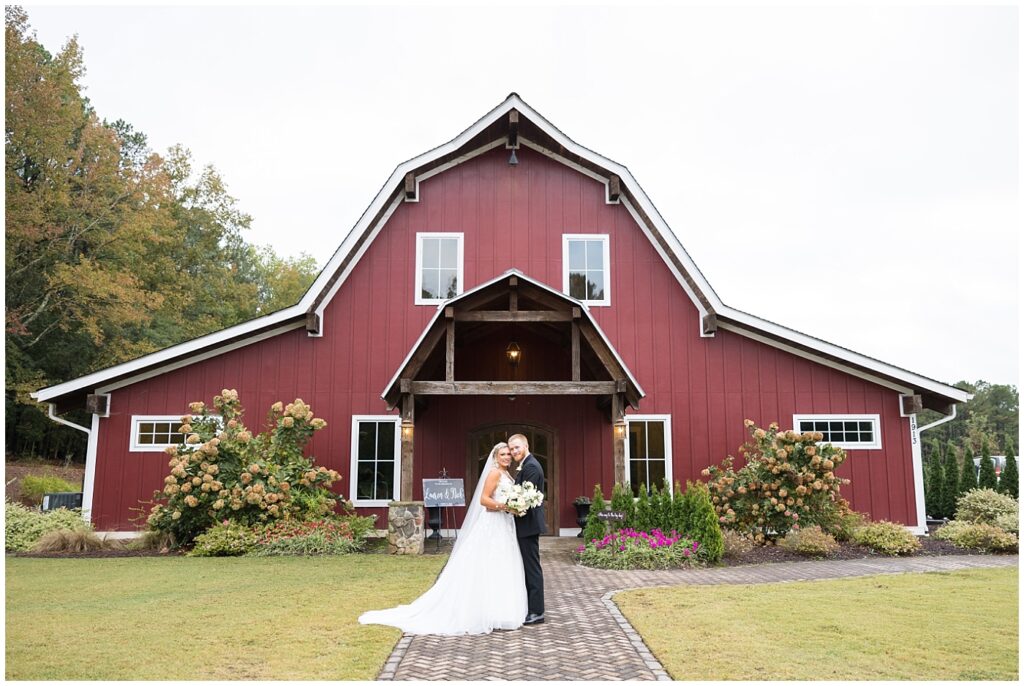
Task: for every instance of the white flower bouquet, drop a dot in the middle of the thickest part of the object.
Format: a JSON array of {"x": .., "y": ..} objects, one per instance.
[{"x": 521, "y": 498}]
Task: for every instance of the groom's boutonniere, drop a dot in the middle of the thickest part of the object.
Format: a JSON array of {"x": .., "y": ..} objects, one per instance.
[{"x": 519, "y": 468}]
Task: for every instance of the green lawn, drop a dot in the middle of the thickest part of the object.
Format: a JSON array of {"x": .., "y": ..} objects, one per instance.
[
  {"x": 937, "y": 626},
  {"x": 194, "y": 618}
]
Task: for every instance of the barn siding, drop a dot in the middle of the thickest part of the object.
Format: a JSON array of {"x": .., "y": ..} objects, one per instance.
[{"x": 514, "y": 217}]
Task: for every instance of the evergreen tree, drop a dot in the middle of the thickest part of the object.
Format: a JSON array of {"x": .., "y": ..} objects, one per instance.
[
  {"x": 968, "y": 477},
  {"x": 595, "y": 528},
  {"x": 950, "y": 483},
  {"x": 933, "y": 483},
  {"x": 1009, "y": 480},
  {"x": 622, "y": 501},
  {"x": 678, "y": 510},
  {"x": 706, "y": 530},
  {"x": 643, "y": 511},
  {"x": 987, "y": 475}
]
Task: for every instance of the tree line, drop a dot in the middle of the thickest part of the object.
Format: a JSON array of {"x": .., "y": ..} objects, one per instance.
[
  {"x": 113, "y": 250},
  {"x": 948, "y": 477}
]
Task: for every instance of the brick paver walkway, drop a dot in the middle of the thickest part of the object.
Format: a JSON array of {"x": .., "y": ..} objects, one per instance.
[{"x": 584, "y": 636}]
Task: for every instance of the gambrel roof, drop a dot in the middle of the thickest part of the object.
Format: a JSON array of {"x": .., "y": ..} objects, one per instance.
[{"x": 511, "y": 121}]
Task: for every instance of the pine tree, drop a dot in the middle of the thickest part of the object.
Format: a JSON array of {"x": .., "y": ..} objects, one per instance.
[
  {"x": 1009, "y": 480},
  {"x": 595, "y": 528},
  {"x": 968, "y": 477},
  {"x": 664, "y": 508},
  {"x": 987, "y": 475},
  {"x": 933, "y": 483},
  {"x": 706, "y": 530},
  {"x": 950, "y": 482}
]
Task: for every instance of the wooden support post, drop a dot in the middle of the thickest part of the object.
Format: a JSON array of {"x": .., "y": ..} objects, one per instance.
[
  {"x": 449, "y": 349},
  {"x": 575, "y": 351},
  {"x": 513, "y": 129},
  {"x": 618, "y": 439},
  {"x": 408, "y": 423},
  {"x": 513, "y": 294}
]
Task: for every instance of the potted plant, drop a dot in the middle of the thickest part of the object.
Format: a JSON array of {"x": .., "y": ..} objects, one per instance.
[{"x": 582, "y": 505}]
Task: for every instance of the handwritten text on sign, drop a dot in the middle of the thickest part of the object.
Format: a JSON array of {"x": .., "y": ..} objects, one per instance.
[
  {"x": 611, "y": 515},
  {"x": 443, "y": 492}
]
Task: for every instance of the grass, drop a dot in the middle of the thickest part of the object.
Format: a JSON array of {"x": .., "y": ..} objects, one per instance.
[
  {"x": 936, "y": 626},
  {"x": 181, "y": 618}
]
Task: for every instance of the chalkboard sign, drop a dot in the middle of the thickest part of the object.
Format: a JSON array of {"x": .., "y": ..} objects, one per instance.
[
  {"x": 611, "y": 515},
  {"x": 443, "y": 492}
]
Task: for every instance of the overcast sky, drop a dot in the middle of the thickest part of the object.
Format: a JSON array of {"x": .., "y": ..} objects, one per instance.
[{"x": 849, "y": 172}]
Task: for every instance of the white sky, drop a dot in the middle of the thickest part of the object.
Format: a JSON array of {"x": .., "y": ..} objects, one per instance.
[{"x": 849, "y": 172}]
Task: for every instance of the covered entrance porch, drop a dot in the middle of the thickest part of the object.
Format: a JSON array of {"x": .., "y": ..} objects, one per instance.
[{"x": 514, "y": 356}]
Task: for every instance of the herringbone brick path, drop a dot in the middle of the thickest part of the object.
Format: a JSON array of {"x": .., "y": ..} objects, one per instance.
[{"x": 585, "y": 638}]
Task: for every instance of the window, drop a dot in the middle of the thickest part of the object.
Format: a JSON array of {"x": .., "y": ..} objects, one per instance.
[
  {"x": 375, "y": 460},
  {"x": 153, "y": 433},
  {"x": 861, "y": 431},
  {"x": 648, "y": 451},
  {"x": 586, "y": 275},
  {"x": 438, "y": 267}
]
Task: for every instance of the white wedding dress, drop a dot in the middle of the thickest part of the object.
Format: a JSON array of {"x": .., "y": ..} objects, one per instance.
[{"x": 482, "y": 588}]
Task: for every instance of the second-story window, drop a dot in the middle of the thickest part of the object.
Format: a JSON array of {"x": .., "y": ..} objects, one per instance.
[
  {"x": 586, "y": 269},
  {"x": 438, "y": 267}
]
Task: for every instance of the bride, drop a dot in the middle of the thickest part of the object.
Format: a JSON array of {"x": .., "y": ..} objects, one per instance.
[{"x": 482, "y": 588}]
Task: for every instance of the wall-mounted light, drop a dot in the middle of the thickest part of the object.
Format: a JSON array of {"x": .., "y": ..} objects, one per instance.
[
  {"x": 512, "y": 159},
  {"x": 407, "y": 426},
  {"x": 513, "y": 353},
  {"x": 620, "y": 428}
]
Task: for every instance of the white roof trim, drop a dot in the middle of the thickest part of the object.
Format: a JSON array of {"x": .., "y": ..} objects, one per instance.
[
  {"x": 96, "y": 379},
  {"x": 513, "y": 101},
  {"x": 501, "y": 277}
]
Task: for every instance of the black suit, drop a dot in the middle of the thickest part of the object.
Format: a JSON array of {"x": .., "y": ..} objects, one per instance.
[{"x": 529, "y": 527}]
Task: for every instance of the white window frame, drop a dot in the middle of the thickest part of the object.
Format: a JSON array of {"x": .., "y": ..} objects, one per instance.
[
  {"x": 418, "y": 279},
  {"x": 667, "y": 420},
  {"x": 606, "y": 241},
  {"x": 846, "y": 445},
  {"x": 354, "y": 459},
  {"x": 175, "y": 419}
]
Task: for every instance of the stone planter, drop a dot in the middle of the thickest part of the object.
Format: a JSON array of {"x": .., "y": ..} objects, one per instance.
[{"x": 405, "y": 528}]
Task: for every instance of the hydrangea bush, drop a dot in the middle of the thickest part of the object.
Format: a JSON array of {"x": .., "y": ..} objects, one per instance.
[
  {"x": 788, "y": 481},
  {"x": 630, "y": 549},
  {"x": 226, "y": 472}
]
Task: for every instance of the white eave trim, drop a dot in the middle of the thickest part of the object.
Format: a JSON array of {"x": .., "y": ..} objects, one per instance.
[
  {"x": 533, "y": 282},
  {"x": 144, "y": 365}
]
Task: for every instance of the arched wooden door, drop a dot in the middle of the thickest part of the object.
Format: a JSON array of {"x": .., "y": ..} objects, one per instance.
[{"x": 543, "y": 446}]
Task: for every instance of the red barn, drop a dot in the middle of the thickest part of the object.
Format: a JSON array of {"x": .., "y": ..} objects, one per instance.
[{"x": 512, "y": 238}]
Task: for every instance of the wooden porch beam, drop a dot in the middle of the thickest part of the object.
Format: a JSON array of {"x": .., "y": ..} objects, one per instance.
[
  {"x": 575, "y": 350},
  {"x": 513, "y": 316},
  {"x": 449, "y": 350},
  {"x": 513, "y": 387}
]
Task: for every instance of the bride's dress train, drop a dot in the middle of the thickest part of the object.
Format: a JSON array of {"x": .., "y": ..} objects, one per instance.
[{"x": 482, "y": 588}]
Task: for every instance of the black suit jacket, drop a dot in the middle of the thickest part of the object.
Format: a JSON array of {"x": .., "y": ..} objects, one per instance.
[{"x": 532, "y": 523}]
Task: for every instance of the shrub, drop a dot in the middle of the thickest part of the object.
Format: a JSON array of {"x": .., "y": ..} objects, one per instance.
[
  {"x": 735, "y": 544},
  {"x": 933, "y": 485},
  {"x": 703, "y": 525},
  {"x": 984, "y": 505},
  {"x": 595, "y": 528},
  {"x": 226, "y": 539},
  {"x": 811, "y": 541},
  {"x": 644, "y": 518},
  {"x": 229, "y": 473},
  {"x": 1009, "y": 479},
  {"x": 325, "y": 537},
  {"x": 788, "y": 478},
  {"x": 153, "y": 540},
  {"x": 23, "y": 526},
  {"x": 680, "y": 509},
  {"x": 1009, "y": 522},
  {"x": 978, "y": 536},
  {"x": 662, "y": 503},
  {"x": 74, "y": 541},
  {"x": 887, "y": 538},
  {"x": 630, "y": 549},
  {"x": 841, "y": 521},
  {"x": 33, "y": 487}
]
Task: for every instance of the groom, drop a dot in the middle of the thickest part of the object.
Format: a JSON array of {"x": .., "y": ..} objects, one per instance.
[{"x": 529, "y": 527}]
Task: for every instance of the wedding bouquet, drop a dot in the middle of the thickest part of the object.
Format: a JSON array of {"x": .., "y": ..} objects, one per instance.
[{"x": 520, "y": 498}]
